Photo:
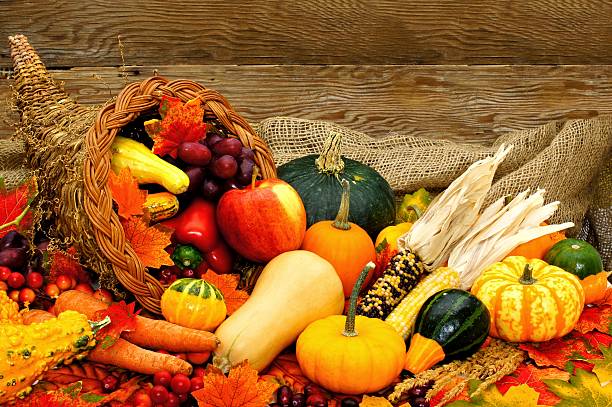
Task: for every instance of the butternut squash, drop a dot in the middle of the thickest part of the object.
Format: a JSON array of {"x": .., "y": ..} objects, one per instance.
[{"x": 294, "y": 289}]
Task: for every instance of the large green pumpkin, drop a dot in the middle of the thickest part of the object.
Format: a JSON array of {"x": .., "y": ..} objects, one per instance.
[
  {"x": 318, "y": 181},
  {"x": 575, "y": 256}
]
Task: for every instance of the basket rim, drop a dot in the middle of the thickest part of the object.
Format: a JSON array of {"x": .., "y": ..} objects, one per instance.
[{"x": 134, "y": 99}]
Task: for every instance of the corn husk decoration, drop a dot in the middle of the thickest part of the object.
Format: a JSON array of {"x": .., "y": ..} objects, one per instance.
[
  {"x": 498, "y": 230},
  {"x": 429, "y": 242},
  {"x": 452, "y": 213}
]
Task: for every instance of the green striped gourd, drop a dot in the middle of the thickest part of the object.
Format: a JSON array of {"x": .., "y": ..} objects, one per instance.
[{"x": 193, "y": 303}]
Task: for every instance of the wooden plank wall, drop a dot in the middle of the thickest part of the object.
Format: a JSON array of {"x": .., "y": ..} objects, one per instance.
[{"x": 464, "y": 70}]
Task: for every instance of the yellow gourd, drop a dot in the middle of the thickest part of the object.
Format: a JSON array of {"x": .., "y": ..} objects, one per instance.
[
  {"x": 9, "y": 310},
  {"x": 161, "y": 206},
  {"x": 146, "y": 167},
  {"x": 27, "y": 351},
  {"x": 390, "y": 234},
  {"x": 352, "y": 354},
  {"x": 529, "y": 300},
  {"x": 294, "y": 289},
  {"x": 193, "y": 303}
]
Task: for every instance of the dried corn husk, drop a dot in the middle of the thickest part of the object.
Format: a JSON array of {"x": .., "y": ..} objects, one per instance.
[
  {"x": 498, "y": 230},
  {"x": 452, "y": 213}
]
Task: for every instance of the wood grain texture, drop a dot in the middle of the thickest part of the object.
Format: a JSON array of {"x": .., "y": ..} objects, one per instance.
[
  {"x": 472, "y": 104},
  {"x": 75, "y": 33}
]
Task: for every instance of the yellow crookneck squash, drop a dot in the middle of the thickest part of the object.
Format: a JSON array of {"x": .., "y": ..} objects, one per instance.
[
  {"x": 529, "y": 300},
  {"x": 352, "y": 354},
  {"x": 27, "y": 351}
]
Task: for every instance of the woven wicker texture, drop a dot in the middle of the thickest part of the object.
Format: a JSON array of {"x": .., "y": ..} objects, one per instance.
[
  {"x": 61, "y": 133},
  {"x": 564, "y": 158}
]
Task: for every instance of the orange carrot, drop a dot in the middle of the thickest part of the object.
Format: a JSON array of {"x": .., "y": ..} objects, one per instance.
[
  {"x": 149, "y": 333},
  {"x": 124, "y": 354},
  {"x": 128, "y": 356}
]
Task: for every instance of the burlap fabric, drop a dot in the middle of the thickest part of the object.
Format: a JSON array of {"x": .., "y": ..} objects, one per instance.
[{"x": 564, "y": 158}]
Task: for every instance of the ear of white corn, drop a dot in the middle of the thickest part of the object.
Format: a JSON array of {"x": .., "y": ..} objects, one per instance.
[{"x": 403, "y": 316}]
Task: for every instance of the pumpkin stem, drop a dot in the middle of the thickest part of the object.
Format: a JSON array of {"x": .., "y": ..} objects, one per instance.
[
  {"x": 349, "y": 326},
  {"x": 330, "y": 161},
  {"x": 254, "y": 177},
  {"x": 527, "y": 277},
  {"x": 97, "y": 325},
  {"x": 341, "y": 221}
]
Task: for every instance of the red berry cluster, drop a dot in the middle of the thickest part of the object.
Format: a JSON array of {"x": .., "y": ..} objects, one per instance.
[{"x": 313, "y": 396}]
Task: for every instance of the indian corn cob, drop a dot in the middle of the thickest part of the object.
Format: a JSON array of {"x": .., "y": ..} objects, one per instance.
[
  {"x": 401, "y": 275},
  {"x": 403, "y": 316}
]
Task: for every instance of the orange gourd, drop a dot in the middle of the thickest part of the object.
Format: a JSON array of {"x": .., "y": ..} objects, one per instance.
[
  {"x": 344, "y": 244},
  {"x": 529, "y": 300},
  {"x": 537, "y": 248},
  {"x": 595, "y": 287}
]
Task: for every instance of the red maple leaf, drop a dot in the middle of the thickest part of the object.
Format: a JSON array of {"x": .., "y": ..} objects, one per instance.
[
  {"x": 595, "y": 339},
  {"x": 532, "y": 376},
  {"x": 67, "y": 263},
  {"x": 595, "y": 317},
  {"x": 15, "y": 206},
  {"x": 123, "y": 319},
  {"x": 180, "y": 123},
  {"x": 560, "y": 352}
]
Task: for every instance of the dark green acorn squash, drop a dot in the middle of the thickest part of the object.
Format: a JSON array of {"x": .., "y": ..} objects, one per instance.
[
  {"x": 318, "y": 181},
  {"x": 575, "y": 256},
  {"x": 451, "y": 324}
]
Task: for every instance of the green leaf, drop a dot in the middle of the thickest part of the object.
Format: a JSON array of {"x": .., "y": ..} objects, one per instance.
[
  {"x": 382, "y": 245},
  {"x": 582, "y": 390},
  {"x": 108, "y": 341},
  {"x": 603, "y": 367},
  {"x": 522, "y": 395},
  {"x": 74, "y": 389},
  {"x": 92, "y": 397}
]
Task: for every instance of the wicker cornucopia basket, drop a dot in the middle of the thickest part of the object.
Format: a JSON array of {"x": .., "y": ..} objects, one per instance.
[{"x": 69, "y": 148}]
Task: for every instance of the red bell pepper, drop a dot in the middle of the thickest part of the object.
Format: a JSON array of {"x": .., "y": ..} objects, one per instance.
[{"x": 197, "y": 226}]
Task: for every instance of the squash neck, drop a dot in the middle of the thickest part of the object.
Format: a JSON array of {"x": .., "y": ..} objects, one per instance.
[
  {"x": 527, "y": 277},
  {"x": 349, "y": 325},
  {"x": 341, "y": 221},
  {"x": 330, "y": 162}
]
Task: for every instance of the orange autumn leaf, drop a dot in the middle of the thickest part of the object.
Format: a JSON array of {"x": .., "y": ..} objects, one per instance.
[
  {"x": 532, "y": 377},
  {"x": 180, "y": 123},
  {"x": 241, "y": 388},
  {"x": 596, "y": 317},
  {"x": 227, "y": 284},
  {"x": 148, "y": 242},
  {"x": 126, "y": 194}
]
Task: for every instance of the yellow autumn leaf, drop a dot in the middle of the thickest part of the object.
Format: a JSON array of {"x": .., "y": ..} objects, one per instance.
[
  {"x": 369, "y": 401},
  {"x": 522, "y": 395},
  {"x": 582, "y": 390},
  {"x": 603, "y": 367}
]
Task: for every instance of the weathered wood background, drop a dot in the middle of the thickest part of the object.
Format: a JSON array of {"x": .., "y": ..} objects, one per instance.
[{"x": 465, "y": 70}]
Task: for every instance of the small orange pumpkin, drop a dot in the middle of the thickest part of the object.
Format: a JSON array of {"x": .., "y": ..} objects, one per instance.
[
  {"x": 352, "y": 354},
  {"x": 595, "y": 287},
  {"x": 537, "y": 248},
  {"x": 344, "y": 244}
]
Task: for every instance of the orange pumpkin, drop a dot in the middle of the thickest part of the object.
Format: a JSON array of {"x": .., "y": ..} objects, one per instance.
[
  {"x": 537, "y": 248},
  {"x": 529, "y": 300},
  {"x": 345, "y": 245}
]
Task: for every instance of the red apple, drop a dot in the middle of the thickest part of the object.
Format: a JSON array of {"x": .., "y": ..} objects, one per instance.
[{"x": 262, "y": 221}]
